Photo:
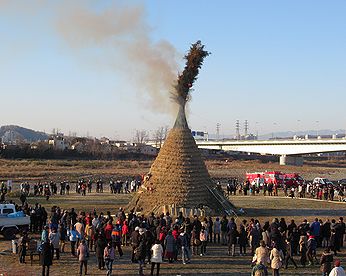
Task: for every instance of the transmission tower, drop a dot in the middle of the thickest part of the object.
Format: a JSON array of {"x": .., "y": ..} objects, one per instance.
[
  {"x": 237, "y": 129},
  {"x": 218, "y": 131},
  {"x": 246, "y": 127}
]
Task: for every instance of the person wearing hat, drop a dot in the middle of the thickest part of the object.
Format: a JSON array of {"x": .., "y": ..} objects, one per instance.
[
  {"x": 140, "y": 253},
  {"x": 337, "y": 270},
  {"x": 134, "y": 242}
]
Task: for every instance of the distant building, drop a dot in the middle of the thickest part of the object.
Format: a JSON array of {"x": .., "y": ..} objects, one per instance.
[
  {"x": 148, "y": 150},
  {"x": 58, "y": 142},
  {"x": 104, "y": 140},
  {"x": 120, "y": 144},
  {"x": 78, "y": 146}
]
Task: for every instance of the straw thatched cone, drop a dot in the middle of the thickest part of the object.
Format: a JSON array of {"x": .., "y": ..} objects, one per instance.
[{"x": 178, "y": 175}]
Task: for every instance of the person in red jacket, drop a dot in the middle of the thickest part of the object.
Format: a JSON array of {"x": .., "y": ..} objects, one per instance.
[
  {"x": 125, "y": 233},
  {"x": 108, "y": 231}
]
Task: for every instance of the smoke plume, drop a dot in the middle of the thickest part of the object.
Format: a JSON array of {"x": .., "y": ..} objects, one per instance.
[
  {"x": 116, "y": 35},
  {"x": 124, "y": 37}
]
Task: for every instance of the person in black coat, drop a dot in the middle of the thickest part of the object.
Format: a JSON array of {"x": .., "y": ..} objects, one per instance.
[
  {"x": 140, "y": 254},
  {"x": 242, "y": 240},
  {"x": 101, "y": 244},
  {"x": 135, "y": 238},
  {"x": 46, "y": 257},
  {"x": 149, "y": 241},
  {"x": 197, "y": 224},
  {"x": 326, "y": 262}
]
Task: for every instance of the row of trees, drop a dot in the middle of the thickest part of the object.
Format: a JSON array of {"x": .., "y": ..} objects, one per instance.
[
  {"x": 159, "y": 136},
  {"x": 94, "y": 153}
]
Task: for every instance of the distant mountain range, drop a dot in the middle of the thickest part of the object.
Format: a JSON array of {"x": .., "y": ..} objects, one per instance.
[{"x": 12, "y": 132}]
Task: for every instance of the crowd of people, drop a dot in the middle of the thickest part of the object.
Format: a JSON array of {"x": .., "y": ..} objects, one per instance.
[
  {"x": 157, "y": 239},
  {"x": 233, "y": 187},
  {"x": 82, "y": 187},
  {"x": 299, "y": 190}
]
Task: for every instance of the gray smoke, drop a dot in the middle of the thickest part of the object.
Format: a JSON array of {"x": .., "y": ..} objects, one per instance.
[
  {"x": 120, "y": 37},
  {"x": 124, "y": 36}
]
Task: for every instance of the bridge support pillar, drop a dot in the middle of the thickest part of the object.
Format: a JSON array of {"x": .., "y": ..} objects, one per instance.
[{"x": 291, "y": 160}]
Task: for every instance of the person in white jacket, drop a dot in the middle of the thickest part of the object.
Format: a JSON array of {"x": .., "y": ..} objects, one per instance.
[
  {"x": 337, "y": 270},
  {"x": 156, "y": 257}
]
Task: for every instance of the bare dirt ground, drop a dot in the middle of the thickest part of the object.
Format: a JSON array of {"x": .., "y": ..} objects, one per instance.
[{"x": 216, "y": 262}]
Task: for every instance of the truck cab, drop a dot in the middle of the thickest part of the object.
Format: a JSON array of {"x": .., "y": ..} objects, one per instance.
[
  {"x": 12, "y": 222},
  {"x": 6, "y": 209}
]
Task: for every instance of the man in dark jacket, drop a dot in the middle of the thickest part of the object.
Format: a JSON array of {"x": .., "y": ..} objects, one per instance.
[
  {"x": 135, "y": 239},
  {"x": 224, "y": 223},
  {"x": 46, "y": 257},
  {"x": 326, "y": 262},
  {"x": 232, "y": 236},
  {"x": 140, "y": 253},
  {"x": 149, "y": 239},
  {"x": 197, "y": 224},
  {"x": 101, "y": 244}
]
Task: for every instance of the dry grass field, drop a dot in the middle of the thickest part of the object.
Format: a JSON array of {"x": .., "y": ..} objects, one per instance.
[
  {"x": 216, "y": 262},
  {"x": 32, "y": 170}
]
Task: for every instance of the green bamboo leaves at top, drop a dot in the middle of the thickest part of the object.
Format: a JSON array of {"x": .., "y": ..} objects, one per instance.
[{"x": 194, "y": 61}]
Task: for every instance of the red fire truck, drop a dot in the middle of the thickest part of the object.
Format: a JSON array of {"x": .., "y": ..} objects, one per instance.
[{"x": 275, "y": 177}]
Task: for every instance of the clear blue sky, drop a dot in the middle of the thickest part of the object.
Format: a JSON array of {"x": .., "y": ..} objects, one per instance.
[{"x": 281, "y": 64}]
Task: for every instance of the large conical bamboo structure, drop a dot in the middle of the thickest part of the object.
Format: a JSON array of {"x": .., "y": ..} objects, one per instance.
[{"x": 178, "y": 175}]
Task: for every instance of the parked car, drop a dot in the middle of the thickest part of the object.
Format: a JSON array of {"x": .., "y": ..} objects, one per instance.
[
  {"x": 342, "y": 182},
  {"x": 322, "y": 181},
  {"x": 12, "y": 222}
]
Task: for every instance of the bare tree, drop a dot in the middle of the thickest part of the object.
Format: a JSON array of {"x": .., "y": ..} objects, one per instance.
[
  {"x": 160, "y": 136},
  {"x": 141, "y": 136}
]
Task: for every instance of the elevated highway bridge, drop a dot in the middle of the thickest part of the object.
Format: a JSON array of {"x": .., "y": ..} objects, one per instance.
[{"x": 290, "y": 151}]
